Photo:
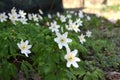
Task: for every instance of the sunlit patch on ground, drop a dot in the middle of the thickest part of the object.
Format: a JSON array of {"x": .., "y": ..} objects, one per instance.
[{"x": 111, "y": 10}]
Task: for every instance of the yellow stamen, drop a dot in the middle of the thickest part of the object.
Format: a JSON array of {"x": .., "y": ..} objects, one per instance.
[
  {"x": 13, "y": 17},
  {"x": 2, "y": 17},
  {"x": 62, "y": 40},
  {"x": 23, "y": 47},
  {"x": 70, "y": 58},
  {"x": 75, "y": 27}
]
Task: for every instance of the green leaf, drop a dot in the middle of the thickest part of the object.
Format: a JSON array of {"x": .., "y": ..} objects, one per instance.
[{"x": 26, "y": 68}]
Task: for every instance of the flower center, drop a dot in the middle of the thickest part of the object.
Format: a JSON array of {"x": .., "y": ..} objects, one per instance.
[
  {"x": 54, "y": 26},
  {"x": 2, "y": 17},
  {"x": 62, "y": 40},
  {"x": 75, "y": 27},
  {"x": 23, "y": 47},
  {"x": 81, "y": 38},
  {"x": 13, "y": 17},
  {"x": 70, "y": 58}
]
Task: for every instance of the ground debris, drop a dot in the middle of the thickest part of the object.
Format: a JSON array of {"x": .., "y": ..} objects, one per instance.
[{"x": 112, "y": 75}]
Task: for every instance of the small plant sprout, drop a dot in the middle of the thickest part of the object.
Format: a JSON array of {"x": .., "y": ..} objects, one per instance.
[
  {"x": 24, "y": 47},
  {"x": 81, "y": 38},
  {"x": 88, "y": 33},
  {"x": 71, "y": 58},
  {"x": 62, "y": 40}
]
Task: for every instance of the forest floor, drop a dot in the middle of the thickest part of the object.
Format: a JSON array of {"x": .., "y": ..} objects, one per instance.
[{"x": 112, "y": 12}]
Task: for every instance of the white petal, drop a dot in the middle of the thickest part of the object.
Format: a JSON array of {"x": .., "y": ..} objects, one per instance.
[
  {"x": 66, "y": 56},
  {"x": 23, "y": 51},
  {"x": 26, "y": 55},
  {"x": 26, "y": 42},
  {"x": 81, "y": 42},
  {"x": 77, "y": 59},
  {"x": 57, "y": 26},
  {"x": 56, "y": 39},
  {"x": 58, "y": 34},
  {"x": 28, "y": 51},
  {"x": 66, "y": 45},
  {"x": 75, "y": 65},
  {"x": 60, "y": 46},
  {"x": 69, "y": 40},
  {"x": 84, "y": 40},
  {"x": 68, "y": 64},
  {"x": 74, "y": 53},
  {"x": 21, "y": 42},
  {"x": 65, "y": 34},
  {"x": 19, "y": 45},
  {"x": 29, "y": 46},
  {"x": 67, "y": 49}
]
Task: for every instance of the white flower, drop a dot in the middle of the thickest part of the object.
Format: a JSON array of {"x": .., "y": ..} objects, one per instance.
[
  {"x": 40, "y": 17},
  {"x": 67, "y": 12},
  {"x": 71, "y": 12},
  {"x": 62, "y": 40},
  {"x": 62, "y": 30},
  {"x": 49, "y": 16},
  {"x": 47, "y": 23},
  {"x": 88, "y": 18},
  {"x": 81, "y": 38},
  {"x": 70, "y": 21},
  {"x": 75, "y": 28},
  {"x": 13, "y": 10},
  {"x": 76, "y": 14},
  {"x": 23, "y": 20},
  {"x": 78, "y": 22},
  {"x": 3, "y": 17},
  {"x": 69, "y": 16},
  {"x": 98, "y": 15},
  {"x": 112, "y": 20},
  {"x": 63, "y": 18},
  {"x": 88, "y": 33},
  {"x": 54, "y": 27},
  {"x": 22, "y": 13},
  {"x": 80, "y": 14},
  {"x": 30, "y": 16},
  {"x": 13, "y": 17},
  {"x": 58, "y": 14},
  {"x": 35, "y": 17},
  {"x": 40, "y": 11},
  {"x": 68, "y": 27},
  {"x": 71, "y": 58},
  {"x": 37, "y": 24},
  {"x": 24, "y": 47}
]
